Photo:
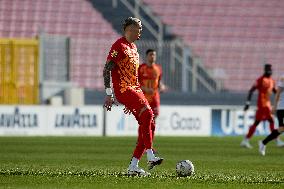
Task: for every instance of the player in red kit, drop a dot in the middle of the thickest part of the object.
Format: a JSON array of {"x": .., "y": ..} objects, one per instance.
[
  {"x": 122, "y": 69},
  {"x": 265, "y": 86}
]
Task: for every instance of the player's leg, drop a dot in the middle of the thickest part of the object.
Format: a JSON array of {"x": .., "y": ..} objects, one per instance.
[
  {"x": 153, "y": 160},
  {"x": 252, "y": 129},
  {"x": 140, "y": 147},
  {"x": 271, "y": 124},
  {"x": 279, "y": 142},
  {"x": 245, "y": 142},
  {"x": 133, "y": 168},
  {"x": 138, "y": 105},
  {"x": 144, "y": 142},
  {"x": 274, "y": 134},
  {"x": 145, "y": 118},
  {"x": 269, "y": 117},
  {"x": 153, "y": 128},
  {"x": 155, "y": 104},
  {"x": 130, "y": 99},
  {"x": 259, "y": 116}
]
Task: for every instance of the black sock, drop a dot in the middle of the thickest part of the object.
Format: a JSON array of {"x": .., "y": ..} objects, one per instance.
[{"x": 274, "y": 134}]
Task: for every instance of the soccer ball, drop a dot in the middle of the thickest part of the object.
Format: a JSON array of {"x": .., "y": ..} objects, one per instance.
[{"x": 185, "y": 168}]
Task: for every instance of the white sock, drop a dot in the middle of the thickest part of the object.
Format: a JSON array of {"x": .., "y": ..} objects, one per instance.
[
  {"x": 134, "y": 161},
  {"x": 150, "y": 154}
]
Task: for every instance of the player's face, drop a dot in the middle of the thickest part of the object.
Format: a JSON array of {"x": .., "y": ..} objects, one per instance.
[
  {"x": 134, "y": 32},
  {"x": 268, "y": 72},
  {"x": 151, "y": 57}
]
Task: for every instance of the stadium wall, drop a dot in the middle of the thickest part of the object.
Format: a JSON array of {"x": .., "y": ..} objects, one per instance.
[{"x": 94, "y": 121}]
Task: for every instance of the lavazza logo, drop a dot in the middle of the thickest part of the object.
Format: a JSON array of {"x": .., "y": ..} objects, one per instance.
[
  {"x": 185, "y": 123},
  {"x": 76, "y": 119},
  {"x": 18, "y": 119}
]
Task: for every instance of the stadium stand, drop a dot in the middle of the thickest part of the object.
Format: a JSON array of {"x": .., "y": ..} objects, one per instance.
[
  {"x": 115, "y": 13},
  {"x": 172, "y": 52},
  {"x": 234, "y": 38},
  {"x": 91, "y": 35}
]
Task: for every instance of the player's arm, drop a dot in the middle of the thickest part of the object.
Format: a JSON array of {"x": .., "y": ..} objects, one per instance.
[
  {"x": 250, "y": 93},
  {"x": 274, "y": 88},
  {"x": 144, "y": 89},
  {"x": 162, "y": 86},
  {"x": 147, "y": 90},
  {"x": 109, "y": 100},
  {"x": 106, "y": 73}
]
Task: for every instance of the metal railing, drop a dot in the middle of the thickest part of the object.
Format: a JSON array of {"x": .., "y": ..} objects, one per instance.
[
  {"x": 55, "y": 55},
  {"x": 54, "y": 65},
  {"x": 137, "y": 10},
  {"x": 181, "y": 71}
]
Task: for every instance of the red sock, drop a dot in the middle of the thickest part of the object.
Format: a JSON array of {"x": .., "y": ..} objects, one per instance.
[
  {"x": 140, "y": 148},
  {"x": 153, "y": 126},
  {"x": 145, "y": 121},
  {"x": 251, "y": 131}
]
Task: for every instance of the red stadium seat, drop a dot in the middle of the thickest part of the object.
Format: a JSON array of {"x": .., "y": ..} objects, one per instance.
[
  {"x": 235, "y": 36},
  {"x": 91, "y": 35}
]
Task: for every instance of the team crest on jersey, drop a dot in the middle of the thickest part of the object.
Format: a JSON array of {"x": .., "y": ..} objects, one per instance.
[{"x": 114, "y": 54}]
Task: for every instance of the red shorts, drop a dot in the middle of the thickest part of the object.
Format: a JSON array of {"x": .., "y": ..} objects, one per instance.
[
  {"x": 263, "y": 113},
  {"x": 132, "y": 100}
]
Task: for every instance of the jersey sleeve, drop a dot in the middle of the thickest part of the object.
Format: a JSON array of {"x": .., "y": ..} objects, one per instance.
[
  {"x": 115, "y": 54},
  {"x": 281, "y": 82}
]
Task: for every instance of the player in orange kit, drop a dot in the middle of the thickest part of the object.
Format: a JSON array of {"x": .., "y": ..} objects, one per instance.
[
  {"x": 265, "y": 86},
  {"x": 149, "y": 76},
  {"x": 121, "y": 69}
]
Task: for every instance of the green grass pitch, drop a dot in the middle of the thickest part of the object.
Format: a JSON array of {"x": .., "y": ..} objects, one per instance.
[{"x": 100, "y": 162}]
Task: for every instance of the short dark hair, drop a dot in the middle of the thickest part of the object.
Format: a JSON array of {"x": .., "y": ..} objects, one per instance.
[
  {"x": 150, "y": 50},
  {"x": 267, "y": 66},
  {"x": 129, "y": 21}
]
